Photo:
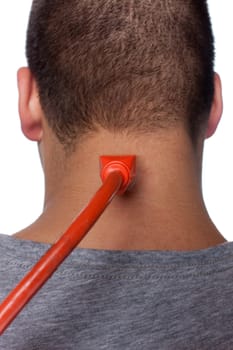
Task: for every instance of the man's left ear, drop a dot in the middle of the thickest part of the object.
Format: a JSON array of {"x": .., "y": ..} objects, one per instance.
[
  {"x": 216, "y": 109},
  {"x": 30, "y": 111}
]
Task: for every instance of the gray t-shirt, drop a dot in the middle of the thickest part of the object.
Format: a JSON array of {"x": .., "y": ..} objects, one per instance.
[{"x": 134, "y": 300}]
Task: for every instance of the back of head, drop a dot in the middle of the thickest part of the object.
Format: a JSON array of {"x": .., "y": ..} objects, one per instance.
[{"x": 123, "y": 65}]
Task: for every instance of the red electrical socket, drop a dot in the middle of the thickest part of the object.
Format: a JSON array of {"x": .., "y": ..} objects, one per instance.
[{"x": 125, "y": 164}]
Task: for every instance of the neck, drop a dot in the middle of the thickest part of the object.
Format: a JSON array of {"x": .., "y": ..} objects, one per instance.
[{"x": 164, "y": 211}]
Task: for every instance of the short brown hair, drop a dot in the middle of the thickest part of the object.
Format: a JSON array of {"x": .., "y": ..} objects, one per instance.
[{"x": 132, "y": 64}]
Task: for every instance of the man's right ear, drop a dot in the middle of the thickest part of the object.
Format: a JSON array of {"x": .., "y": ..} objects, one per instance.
[
  {"x": 30, "y": 111},
  {"x": 216, "y": 109}
]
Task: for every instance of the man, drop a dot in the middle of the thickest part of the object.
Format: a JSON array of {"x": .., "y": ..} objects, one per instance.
[{"x": 113, "y": 77}]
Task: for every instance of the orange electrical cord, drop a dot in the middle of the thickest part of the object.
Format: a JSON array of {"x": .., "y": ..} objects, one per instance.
[{"x": 117, "y": 174}]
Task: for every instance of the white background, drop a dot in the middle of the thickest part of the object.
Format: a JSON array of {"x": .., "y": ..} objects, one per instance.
[{"x": 21, "y": 185}]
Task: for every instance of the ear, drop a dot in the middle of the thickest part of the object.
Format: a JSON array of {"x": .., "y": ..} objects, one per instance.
[
  {"x": 216, "y": 109},
  {"x": 30, "y": 110}
]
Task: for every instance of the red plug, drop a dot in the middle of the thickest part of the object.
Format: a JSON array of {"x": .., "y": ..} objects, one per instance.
[
  {"x": 126, "y": 165},
  {"x": 118, "y": 174}
]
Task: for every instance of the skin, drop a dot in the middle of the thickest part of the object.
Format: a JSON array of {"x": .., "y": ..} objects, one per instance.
[{"x": 163, "y": 211}]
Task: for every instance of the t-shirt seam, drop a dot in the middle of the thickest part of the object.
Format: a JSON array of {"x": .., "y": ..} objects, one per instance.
[
  {"x": 132, "y": 276},
  {"x": 209, "y": 262}
]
